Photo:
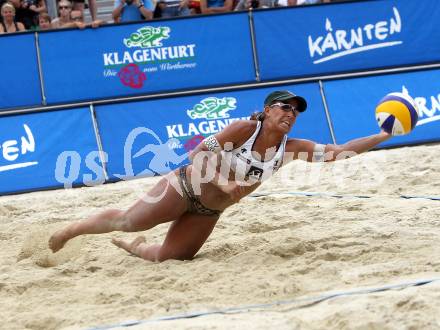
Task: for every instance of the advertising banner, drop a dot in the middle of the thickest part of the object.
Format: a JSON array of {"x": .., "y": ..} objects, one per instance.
[
  {"x": 335, "y": 38},
  {"x": 352, "y": 104},
  {"x": 50, "y": 149},
  {"x": 20, "y": 82},
  {"x": 153, "y": 137},
  {"x": 145, "y": 58}
]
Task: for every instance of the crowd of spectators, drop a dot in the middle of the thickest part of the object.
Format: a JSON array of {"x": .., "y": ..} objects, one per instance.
[{"x": 23, "y": 15}]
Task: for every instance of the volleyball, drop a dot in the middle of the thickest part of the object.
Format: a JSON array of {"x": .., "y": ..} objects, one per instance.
[{"x": 397, "y": 113}]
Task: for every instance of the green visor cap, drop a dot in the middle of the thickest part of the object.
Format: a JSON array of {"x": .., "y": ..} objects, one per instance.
[{"x": 286, "y": 96}]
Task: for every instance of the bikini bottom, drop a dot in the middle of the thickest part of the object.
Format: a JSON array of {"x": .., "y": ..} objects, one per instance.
[{"x": 195, "y": 206}]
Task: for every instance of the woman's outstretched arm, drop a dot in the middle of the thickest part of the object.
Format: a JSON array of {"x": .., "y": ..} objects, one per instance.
[{"x": 311, "y": 151}]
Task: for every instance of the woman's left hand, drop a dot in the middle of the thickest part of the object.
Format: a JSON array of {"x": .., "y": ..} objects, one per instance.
[
  {"x": 234, "y": 190},
  {"x": 385, "y": 134}
]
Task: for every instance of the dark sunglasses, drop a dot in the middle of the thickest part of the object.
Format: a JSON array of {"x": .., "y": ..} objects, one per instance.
[
  {"x": 64, "y": 7},
  {"x": 77, "y": 18},
  {"x": 286, "y": 107}
]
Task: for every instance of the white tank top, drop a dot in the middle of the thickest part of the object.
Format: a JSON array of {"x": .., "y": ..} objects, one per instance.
[{"x": 246, "y": 167}]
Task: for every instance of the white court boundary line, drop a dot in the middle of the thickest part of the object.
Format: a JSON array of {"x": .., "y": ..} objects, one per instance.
[
  {"x": 323, "y": 194},
  {"x": 304, "y": 302}
]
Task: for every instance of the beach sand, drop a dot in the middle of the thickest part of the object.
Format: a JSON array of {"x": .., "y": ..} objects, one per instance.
[{"x": 265, "y": 249}]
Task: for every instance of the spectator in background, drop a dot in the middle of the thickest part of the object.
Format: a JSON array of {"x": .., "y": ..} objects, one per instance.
[
  {"x": 80, "y": 5},
  {"x": 44, "y": 22},
  {"x": 132, "y": 10},
  {"x": 194, "y": 7},
  {"x": 306, "y": 2},
  {"x": 8, "y": 23},
  {"x": 254, "y": 4},
  {"x": 173, "y": 8},
  {"x": 77, "y": 17},
  {"x": 63, "y": 20},
  {"x": 30, "y": 9},
  {"x": 216, "y": 6},
  {"x": 26, "y": 11}
]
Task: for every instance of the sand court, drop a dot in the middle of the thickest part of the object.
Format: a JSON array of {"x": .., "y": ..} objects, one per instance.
[{"x": 355, "y": 231}]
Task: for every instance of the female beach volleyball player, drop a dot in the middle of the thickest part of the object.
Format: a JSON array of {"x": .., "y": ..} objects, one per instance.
[{"x": 236, "y": 160}]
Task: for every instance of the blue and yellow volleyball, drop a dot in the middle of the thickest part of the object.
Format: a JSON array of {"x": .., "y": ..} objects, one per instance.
[{"x": 397, "y": 113}]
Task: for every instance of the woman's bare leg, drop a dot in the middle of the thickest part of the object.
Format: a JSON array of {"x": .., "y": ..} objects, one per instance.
[
  {"x": 143, "y": 215},
  {"x": 184, "y": 239}
]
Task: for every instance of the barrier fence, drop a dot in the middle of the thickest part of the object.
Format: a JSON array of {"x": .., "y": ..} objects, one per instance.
[
  {"x": 20, "y": 83},
  {"x": 163, "y": 134},
  {"x": 185, "y": 54},
  {"x": 49, "y": 149},
  {"x": 335, "y": 39},
  {"x": 112, "y": 141},
  {"x": 351, "y": 104},
  {"x": 145, "y": 58}
]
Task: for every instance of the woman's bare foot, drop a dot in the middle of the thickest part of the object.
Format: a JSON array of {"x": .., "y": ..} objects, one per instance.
[
  {"x": 57, "y": 240},
  {"x": 130, "y": 247}
]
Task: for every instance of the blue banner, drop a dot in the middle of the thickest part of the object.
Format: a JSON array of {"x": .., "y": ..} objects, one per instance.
[
  {"x": 153, "y": 137},
  {"x": 50, "y": 149},
  {"x": 336, "y": 38},
  {"x": 145, "y": 58},
  {"x": 20, "y": 82},
  {"x": 352, "y": 105}
]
